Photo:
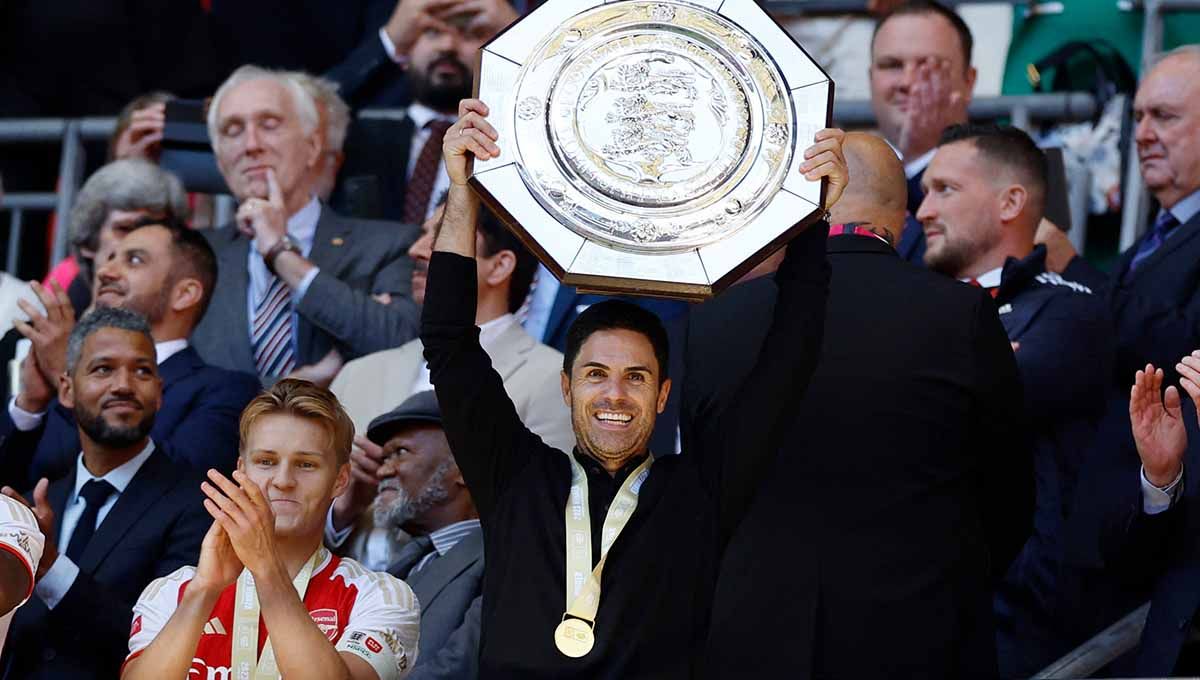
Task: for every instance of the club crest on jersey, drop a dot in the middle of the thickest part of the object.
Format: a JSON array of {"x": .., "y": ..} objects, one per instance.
[{"x": 327, "y": 621}]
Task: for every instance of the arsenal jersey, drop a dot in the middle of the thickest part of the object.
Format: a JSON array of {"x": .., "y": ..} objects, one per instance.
[
  {"x": 20, "y": 537},
  {"x": 372, "y": 615}
]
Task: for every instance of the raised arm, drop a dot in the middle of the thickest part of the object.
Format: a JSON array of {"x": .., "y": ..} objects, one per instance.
[
  {"x": 738, "y": 446},
  {"x": 489, "y": 441}
]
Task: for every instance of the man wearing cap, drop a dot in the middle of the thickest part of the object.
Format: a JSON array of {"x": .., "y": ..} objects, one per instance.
[{"x": 422, "y": 493}]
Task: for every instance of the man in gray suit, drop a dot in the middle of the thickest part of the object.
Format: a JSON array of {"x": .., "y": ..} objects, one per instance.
[
  {"x": 423, "y": 493},
  {"x": 300, "y": 287}
]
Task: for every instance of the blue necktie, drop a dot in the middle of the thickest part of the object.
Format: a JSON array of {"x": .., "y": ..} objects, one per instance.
[{"x": 1163, "y": 226}]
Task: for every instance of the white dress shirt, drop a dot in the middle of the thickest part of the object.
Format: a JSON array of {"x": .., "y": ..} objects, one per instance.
[
  {"x": 26, "y": 421},
  {"x": 917, "y": 165},
  {"x": 58, "y": 579},
  {"x": 988, "y": 279}
]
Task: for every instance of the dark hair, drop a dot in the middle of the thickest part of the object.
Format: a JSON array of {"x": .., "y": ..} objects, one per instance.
[
  {"x": 917, "y": 7},
  {"x": 193, "y": 252},
  {"x": 497, "y": 237},
  {"x": 617, "y": 315},
  {"x": 100, "y": 318},
  {"x": 1007, "y": 146}
]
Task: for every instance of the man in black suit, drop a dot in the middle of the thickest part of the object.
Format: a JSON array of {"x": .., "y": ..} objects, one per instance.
[
  {"x": 985, "y": 195},
  {"x": 435, "y": 43},
  {"x": 1153, "y": 291},
  {"x": 921, "y": 83},
  {"x": 422, "y": 493},
  {"x": 124, "y": 515},
  {"x": 872, "y": 547},
  {"x": 166, "y": 272},
  {"x": 300, "y": 287}
]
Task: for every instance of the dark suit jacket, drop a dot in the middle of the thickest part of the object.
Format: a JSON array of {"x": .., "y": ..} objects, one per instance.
[
  {"x": 198, "y": 419},
  {"x": 154, "y": 528},
  {"x": 448, "y": 589},
  {"x": 904, "y": 491},
  {"x": 373, "y": 181},
  {"x": 1157, "y": 307},
  {"x": 357, "y": 258},
  {"x": 911, "y": 247}
]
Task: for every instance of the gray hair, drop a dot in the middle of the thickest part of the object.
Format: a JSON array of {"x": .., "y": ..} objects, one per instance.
[
  {"x": 337, "y": 113},
  {"x": 130, "y": 184},
  {"x": 302, "y": 100},
  {"x": 99, "y": 318}
]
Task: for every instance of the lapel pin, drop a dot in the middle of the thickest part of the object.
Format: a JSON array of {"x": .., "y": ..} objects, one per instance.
[{"x": 337, "y": 241}]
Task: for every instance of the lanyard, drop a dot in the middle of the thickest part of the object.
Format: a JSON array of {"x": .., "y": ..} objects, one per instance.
[
  {"x": 574, "y": 636},
  {"x": 245, "y": 625}
]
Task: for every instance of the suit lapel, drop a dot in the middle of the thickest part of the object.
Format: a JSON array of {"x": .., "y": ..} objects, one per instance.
[
  {"x": 231, "y": 303},
  {"x": 430, "y": 581},
  {"x": 181, "y": 364},
  {"x": 58, "y": 493},
  {"x": 328, "y": 249},
  {"x": 1184, "y": 234},
  {"x": 146, "y": 487}
]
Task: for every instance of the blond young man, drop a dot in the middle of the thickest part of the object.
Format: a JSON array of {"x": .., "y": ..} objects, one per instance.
[{"x": 326, "y": 617}]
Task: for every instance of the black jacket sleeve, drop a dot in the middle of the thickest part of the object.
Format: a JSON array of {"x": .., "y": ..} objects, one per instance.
[
  {"x": 485, "y": 432},
  {"x": 737, "y": 445}
]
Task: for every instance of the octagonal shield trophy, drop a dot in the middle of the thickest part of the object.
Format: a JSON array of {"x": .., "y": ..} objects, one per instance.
[{"x": 651, "y": 147}]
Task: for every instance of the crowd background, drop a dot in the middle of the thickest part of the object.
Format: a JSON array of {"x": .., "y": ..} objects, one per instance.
[{"x": 998, "y": 505}]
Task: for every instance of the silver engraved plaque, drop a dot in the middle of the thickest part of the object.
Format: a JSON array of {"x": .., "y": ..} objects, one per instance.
[{"x": 651, "y": 147}]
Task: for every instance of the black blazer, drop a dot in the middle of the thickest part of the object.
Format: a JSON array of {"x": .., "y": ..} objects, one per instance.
[
  {"x": 154, "y": 528},
  {"x": 198, "y": 419},
  {"x": 373, "y": 182},
  {"x": 903, "y": 491},
  {"x": 1156, "y": 308}
]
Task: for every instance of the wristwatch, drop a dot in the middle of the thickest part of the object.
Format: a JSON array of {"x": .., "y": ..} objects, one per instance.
[{"x": 283, "y": 245}]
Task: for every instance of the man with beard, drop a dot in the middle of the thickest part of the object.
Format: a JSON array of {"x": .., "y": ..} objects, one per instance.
[
  {"x": 298, "y": 281},
  {"x": 434, "y": 42},
  {"x": 166, "y": 272},
  {"x": 124, "y": 515},
  {"x": 985, "y": 191},
  {"x": 602, "y": 562},
  {"x": 422, "y": 493}
]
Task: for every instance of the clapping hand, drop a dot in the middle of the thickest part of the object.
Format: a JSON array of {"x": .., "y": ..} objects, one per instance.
[
  {"x": 1157, "y": 426},
  {"x": 933, "y": 105},
  {"x": 44, "y": 513},
  {"x": 246, "y": 518},
  {"x": 48, "y": 332}
]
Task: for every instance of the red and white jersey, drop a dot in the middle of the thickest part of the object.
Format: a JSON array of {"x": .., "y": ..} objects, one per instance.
[
  {"x": 20, "y": 536},
  {"x": 372, "y": 615}
]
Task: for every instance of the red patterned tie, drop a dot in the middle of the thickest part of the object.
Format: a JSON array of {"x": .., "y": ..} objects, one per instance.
[{"x": 424, "y": 174}]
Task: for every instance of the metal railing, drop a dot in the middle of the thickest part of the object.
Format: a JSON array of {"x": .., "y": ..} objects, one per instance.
[
  {"x": 71, "y": 135},
  {"x": 1092, "y": 656}
]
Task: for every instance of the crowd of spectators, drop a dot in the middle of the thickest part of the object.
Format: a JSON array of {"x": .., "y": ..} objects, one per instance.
[{"x": 926, "y": 439}]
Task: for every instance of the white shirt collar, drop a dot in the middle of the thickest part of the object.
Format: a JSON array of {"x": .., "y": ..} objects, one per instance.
[
  {"x": 490, "y": 330},
  {"x": 169, "y": 348},
  {"x": 917, "y": 165},
  {"x": 1187, "y": 208},
  {"x": 119, "y": 477},
  {"x": 421, "y": 115},
  {"x": 989, "y": 279}
]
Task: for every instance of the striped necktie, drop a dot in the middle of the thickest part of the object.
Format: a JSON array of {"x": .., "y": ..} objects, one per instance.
[{"x": 272, "y": 333}]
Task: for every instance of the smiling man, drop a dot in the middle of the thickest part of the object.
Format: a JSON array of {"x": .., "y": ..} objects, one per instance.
[
  {"x": 322, "y": 617},
  {"x": 124, "y": 515},
  {"x": 602, "y": 561},
  {"x": 166, "y": 272}
]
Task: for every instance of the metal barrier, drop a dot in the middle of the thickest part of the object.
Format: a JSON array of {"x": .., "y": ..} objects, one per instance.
[
  {"x": 1101, "y": 650},
  {"x": 71, "y": 134}
]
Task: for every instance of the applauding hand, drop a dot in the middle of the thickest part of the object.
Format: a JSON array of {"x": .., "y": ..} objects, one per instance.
[{"x": 1157, "y": 427}]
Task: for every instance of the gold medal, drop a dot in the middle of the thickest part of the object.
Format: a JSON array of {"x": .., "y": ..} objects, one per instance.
[{"x": 574, "y": 637}]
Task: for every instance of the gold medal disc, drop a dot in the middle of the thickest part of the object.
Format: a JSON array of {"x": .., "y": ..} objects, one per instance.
[{"x": 574, "y": 638}]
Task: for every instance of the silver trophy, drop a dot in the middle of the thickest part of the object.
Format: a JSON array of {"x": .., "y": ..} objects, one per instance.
[{"x": 651, "y": 148}]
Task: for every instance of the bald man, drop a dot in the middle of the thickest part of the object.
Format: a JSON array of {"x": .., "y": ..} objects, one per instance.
[{"x": 903, "y": 494}]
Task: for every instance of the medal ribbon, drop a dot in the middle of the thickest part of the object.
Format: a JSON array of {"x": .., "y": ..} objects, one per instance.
[
  {"x": 245, "y": 625},
  {"x": 583, "y": 584}
]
